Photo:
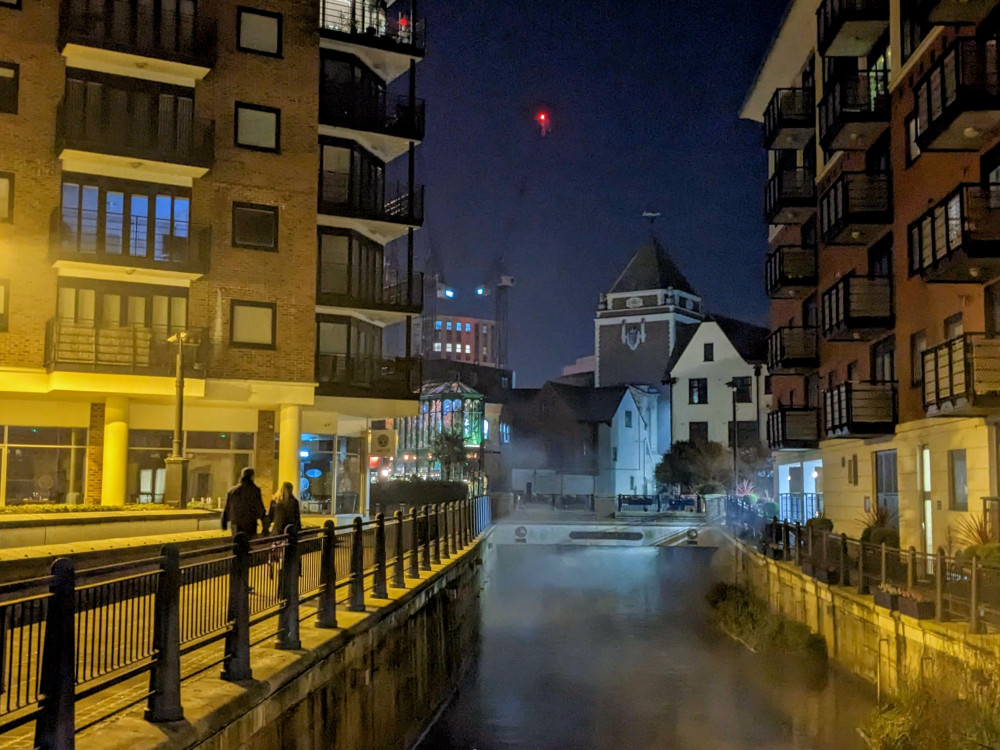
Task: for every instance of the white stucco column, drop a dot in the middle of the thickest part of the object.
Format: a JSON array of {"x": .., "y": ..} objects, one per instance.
[
  {"x": 114, "y": 471},
  {"x": 289, "y": 440}
]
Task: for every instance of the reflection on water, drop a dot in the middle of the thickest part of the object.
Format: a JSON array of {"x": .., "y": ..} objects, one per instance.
[{"x": 610, "y": 649}]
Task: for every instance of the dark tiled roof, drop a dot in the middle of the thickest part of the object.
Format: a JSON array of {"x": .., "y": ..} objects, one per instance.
[
  {"x": 685, "y": 332},
  {"x": 748, "y": 339},
  {"x": 590, "y": 404},
  {"x": 651, "y": 268}
]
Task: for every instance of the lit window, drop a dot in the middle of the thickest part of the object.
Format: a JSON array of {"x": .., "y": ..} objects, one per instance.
[
  {"x": 437, "y": 325},
  {"x": 448, "y": 325},
  {"x": 468, "y": 327},
  {"x": 255, "y": 227},
  {"x": 447, "y": 347},
  {"x": 958, "y": 474},
  {"x": 458, "y": 325},
  {"x": 258, "y": 127},
  {"x": 6, "y": 197},
  {"x": 258, "y": 31},
  {"x": 437, "y": 346},
  {"x": 484, "y": 330},
  {"x": 9, "y": 75},
  {"x": 252, "y": 324},
  {"x": 468, "y": 349},
  {"x": 504, "y": 432},
  {"x": 4, "y": 309}
]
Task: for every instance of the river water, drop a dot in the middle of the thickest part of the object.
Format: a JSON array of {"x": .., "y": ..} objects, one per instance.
[{"x": 610, "y": 648}]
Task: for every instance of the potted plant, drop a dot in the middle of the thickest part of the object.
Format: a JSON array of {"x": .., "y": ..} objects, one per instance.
[
  {"x": 915, "y": 604},
  {"x": 887, "y": 595}
]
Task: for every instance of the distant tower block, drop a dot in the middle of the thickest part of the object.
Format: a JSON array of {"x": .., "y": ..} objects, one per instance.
[{"x": 505, "y": 282}]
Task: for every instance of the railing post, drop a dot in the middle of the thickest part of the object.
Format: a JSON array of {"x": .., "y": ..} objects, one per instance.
[
  {"x": 797, "y": 551},
  {"x": 164, "y": 703},
  {"x": 824, "y": 539},
  {"x": 844, "y": 581},
  {"x": 414, "y": 543},
  {"x": 974, "y": 596},
  {"x": 467, "y": 521},
  {"x": 288, "y": 593},
  {"x": 56, "y": 723},
  {"x": 425, "y": 540},
  {"x": 443, "y": 520},
  {"x": 939, "y": 574},
  {"x": 862, "y": 584},
  {"x": 380, "y": 589},
  {"x": 398, "y": 579},
  {"x": 809, "y": 550},
  {"x": 884, "y": 561},
  {"x": 236, "y": 664},
  {"x": 357, "y": 567},
  {"x": 436, "y": 531},
  {"x": 911, "y": 568},
  {"x": 784, "y": 541},
  {"x": 326, "y": 615}
]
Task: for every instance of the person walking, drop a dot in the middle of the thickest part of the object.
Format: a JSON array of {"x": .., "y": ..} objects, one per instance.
[
  {"x": 284, "y": 511},
  {"x": 244, "y": 507}
]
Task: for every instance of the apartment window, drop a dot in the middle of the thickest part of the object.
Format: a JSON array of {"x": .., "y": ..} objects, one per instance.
[
  {"x": 468, "y": 327},
  {"x": 447, "y": 325},
  {"x": 743, "y": 387},
  {"x": 258, "y": 127},
  {"x": 9, "y": 75},
  {"x": 953, "y": 327},
  {"x": 484, "y": 330},
  {"x": 912, "y": 147},
  {"x": 468, "y": 348},
  {"x": 628, "y": 418},
  {"x": 437, "y": 325},
  {"x": 6, "y": 197},
  {"x": 258, "y": 31},
  {"x": 958, "y": 480},
  {"x": 447, "y": 347},
  {"x": 252, "y": 324},
  {"x": 698, "y": 391},
  {"x": 747, "y": 432},
  {"x": 255, "y": 227},
  {"x": 918, "y": 345},
  {"x": 4, "y": 304},
  {"x": 614, "y": 454},
  {"x": 15, "y": 4},
  {"x": 767, "y": 385},
  {"x": 709, "y": 352},
  {"x": 698, "y": 432},
  {"x": 437, "y": 346}
]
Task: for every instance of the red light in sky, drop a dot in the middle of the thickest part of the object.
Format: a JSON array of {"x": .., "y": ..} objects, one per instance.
[{"x": 543, "y": 120}]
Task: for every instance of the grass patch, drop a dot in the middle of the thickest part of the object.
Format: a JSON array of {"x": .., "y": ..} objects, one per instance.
[
  {"x": 922, "y": 721},
  {"x": 56, "y": 509}
]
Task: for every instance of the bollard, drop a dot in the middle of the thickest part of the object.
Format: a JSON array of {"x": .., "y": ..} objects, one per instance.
[
  {"x": 357, "y": 568},
  {"x": 425, "y": 540},
  {"x": 974, "y": 597},
  {"x": 797, "y": 551},
  {"x": 443, "y": 515},
  {"x": 844, "y": 578},
  {"x": 785, "y": 553},
  {"x": 326, "y": 609},
  {"x": 862, "y": 583},
  {"x": 55, "y": 724},
  {"x": 436, "y": 531},
  {"x": 414, "y": 544},
  {"x": 884, "y": 562},
  {"x": 236, "y": 664},
  {"x": 380, "y": 589},
  {"x": 939, "y": 573},
  {"x": 911, "y": 568},
  {"x": 398, "y": 579},
  {"x": 164, "y": 702},
  {"x": 288, "y": 592}
]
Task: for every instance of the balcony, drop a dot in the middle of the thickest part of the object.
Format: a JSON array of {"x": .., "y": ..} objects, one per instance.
[
  {"x": 962, "y": 377},
  {"x": 385, "y": 304},
  {"x": 858, "y": 308},
  {"x": 850, "y": 28},
  {"x": 117, "y": 32},
  {"x": 364, "y": 23},
  {"x": 956, "y": 12},
  {"x": 790, "y": 272},
  {"x": 790, "y": 197},
  {"x": 181, "y": 248},
  {"x": 793, "y": 428},
  {"x": 860, "y": 410},
  {"x": 384, "y": 221},
  {"x": 959, "y": 239},
  {"x": 958, "y": 99},
  {"x": 854, "y": 112},
  {"x": 185, "y": 148},
  {"x": 790, "y": 119},
  {"x": 385, "y": 130},
  {"x": 86, "y": 347},
  {"x": 366, "y": 377},
  {"x": 856, "y": 209},
  {"x": 793, "y": 350}
]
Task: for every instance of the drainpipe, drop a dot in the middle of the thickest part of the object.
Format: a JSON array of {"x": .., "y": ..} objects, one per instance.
[{"x": 758, "y": 395}]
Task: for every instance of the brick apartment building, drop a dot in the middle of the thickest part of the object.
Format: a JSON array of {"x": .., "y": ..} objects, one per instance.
[
  {"x": 218, "y": 169},
  {"x": 459, "y": 339},
  {"x": 882, "y": 122}
]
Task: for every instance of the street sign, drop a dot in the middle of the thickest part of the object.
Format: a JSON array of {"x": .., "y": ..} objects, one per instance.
[{"x": 382, "y": 443}]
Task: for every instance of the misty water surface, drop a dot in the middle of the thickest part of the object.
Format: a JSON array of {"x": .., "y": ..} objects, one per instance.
[{"x": 610, "y": 649}]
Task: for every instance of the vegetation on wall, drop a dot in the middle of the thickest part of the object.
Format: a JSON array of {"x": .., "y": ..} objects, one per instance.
[{"x": 706, "y": 467}]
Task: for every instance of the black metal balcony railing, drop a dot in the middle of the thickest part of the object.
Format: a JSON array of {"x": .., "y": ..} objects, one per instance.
[
  {"x": 396, "y": 296},
  {"x": 367, "y": 377},
  {"x": 79, "y": 235},
  {"x": 856, "y": 209},
  {"x": 790, "y": 196},
  {"x": 404, "y": 118},
  {"x": 790, "y": 119},
  {"x": 849, "y": 28},
  {"x": 335, "y": 200},
  {"x": 957, "y": 102},
  {"x": 793, "y": 350},
  {"x": 84, "y": 346},
  {"x": 365, "y": 22},
  {"x": 857, "y": 308},
  {"x": 190, "y": 142},
  {"x": 860, "y": 409},
  {"x": 793, "y": 428},
  {"x": 790, "y": 271},
  {"x": 962, "y": 376},
  {"x": 854, "y": 111},
  {"x": 139, "y": 29},
  {"x": 959, "y": 239},
  {"x": 801, "y": 507},
  {"x": 956, "y": 12}
]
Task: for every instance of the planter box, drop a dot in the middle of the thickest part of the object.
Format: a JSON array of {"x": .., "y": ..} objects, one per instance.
[
  {"x": 827, "y": 575},
  {"x": 885, "y": 599},
  {"x": 913, "y": 608}
]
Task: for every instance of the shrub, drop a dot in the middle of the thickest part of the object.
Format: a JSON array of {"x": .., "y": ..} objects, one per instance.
[
  {"x": 769, "y": 510},
  {"x": 391, "y": 495},
  {"x": 56, "y": 508},
  {"x": 820, "y": 524},
  {"x": 879, "y": 535},
  {"x": 988, "y": 554}
]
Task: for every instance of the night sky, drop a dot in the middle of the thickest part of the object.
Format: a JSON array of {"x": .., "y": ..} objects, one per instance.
[{"x": 644, "y": 99}]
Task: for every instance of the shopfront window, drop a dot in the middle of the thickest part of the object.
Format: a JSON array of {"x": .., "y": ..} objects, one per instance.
[{"x": 42, "y": 464}]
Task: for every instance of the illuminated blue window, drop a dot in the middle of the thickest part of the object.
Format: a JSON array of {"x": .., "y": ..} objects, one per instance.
[
  {"x": 448, "y": 326},
  {"x": 437, "y": 325},
  {"x": 468, "y": 327}
]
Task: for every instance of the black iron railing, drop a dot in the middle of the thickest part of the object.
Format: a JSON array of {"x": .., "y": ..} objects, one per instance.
[
  {"x": 790, "y": 270},
  {"x": 140, "y": 29},
  {"x": 962, "y": 373},
  {"x": 955, "y": 12},
  {"x": 404, "y": 119},
  {"x": 793, "y": 349},
  {"x": 369, "y": 23},
  {"x": 405, "y": 207},
  {"x": 860, "y": 97},
  {"x": 790, "y": 111},
  {"x": 789, "y": 189},
  {"x": 800, "y": 506},
  {"x": 832, "y": 15},
  {"x": 793, "y": 428},
  {"x": 963, "y": 227},
  {"x": 855, "y": 304},
  {"x": 340, "y": 374},
  {"x": 83, "y": 345},
  {"x": 854, "y": 198},
  {"x": 76, "y": 634},
  {"x": 859, "y": 408},
  {"x": 398, "y": 295}
]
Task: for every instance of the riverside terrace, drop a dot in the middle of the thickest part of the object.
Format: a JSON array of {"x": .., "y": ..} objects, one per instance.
[{"x": 78, "y": 646}]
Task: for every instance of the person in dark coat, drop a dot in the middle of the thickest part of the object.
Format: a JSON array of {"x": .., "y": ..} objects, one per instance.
[
  {"x": 244, "y": 506},
  {"x": 284, "y": 511}
]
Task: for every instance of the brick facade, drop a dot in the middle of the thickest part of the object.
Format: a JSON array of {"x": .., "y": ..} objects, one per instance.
[
  {"x": 95, "y": 455},
  {"x": 264, "y": 464}
]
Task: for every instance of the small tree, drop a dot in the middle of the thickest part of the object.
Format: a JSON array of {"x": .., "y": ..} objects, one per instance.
[
  {"x": 697, "y": 466},
  {"x": 448, "y": 447}
]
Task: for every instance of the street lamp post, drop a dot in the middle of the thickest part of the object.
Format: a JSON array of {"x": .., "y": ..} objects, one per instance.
[
  {"x": 735, "y": 438},
  {"x": 175, "y": 487}
]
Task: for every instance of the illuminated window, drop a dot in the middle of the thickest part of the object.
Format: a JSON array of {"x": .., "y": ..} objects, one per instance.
[
  {"x": 6, "y": 197},
  {"x": 252, "y": 324},
  {"x": 4, "y": 305},
  {"x": 437, "y": 325},
  {"x": 258, "y": 127},
  {"x": 484, "y": 330},
  {"x": 468, "y": 349},
  {"x": 468, "y": 327},
  {"x": 447, "y": 347},
  {"x": 958, "y": 476},
  {"x": 698, "y": 391},
  {"x": 9, "y": 75},
  {"x": 437, "y": 346},
  {"x": 258, "y": 31},
  {"x": 448, "y": 326}
]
